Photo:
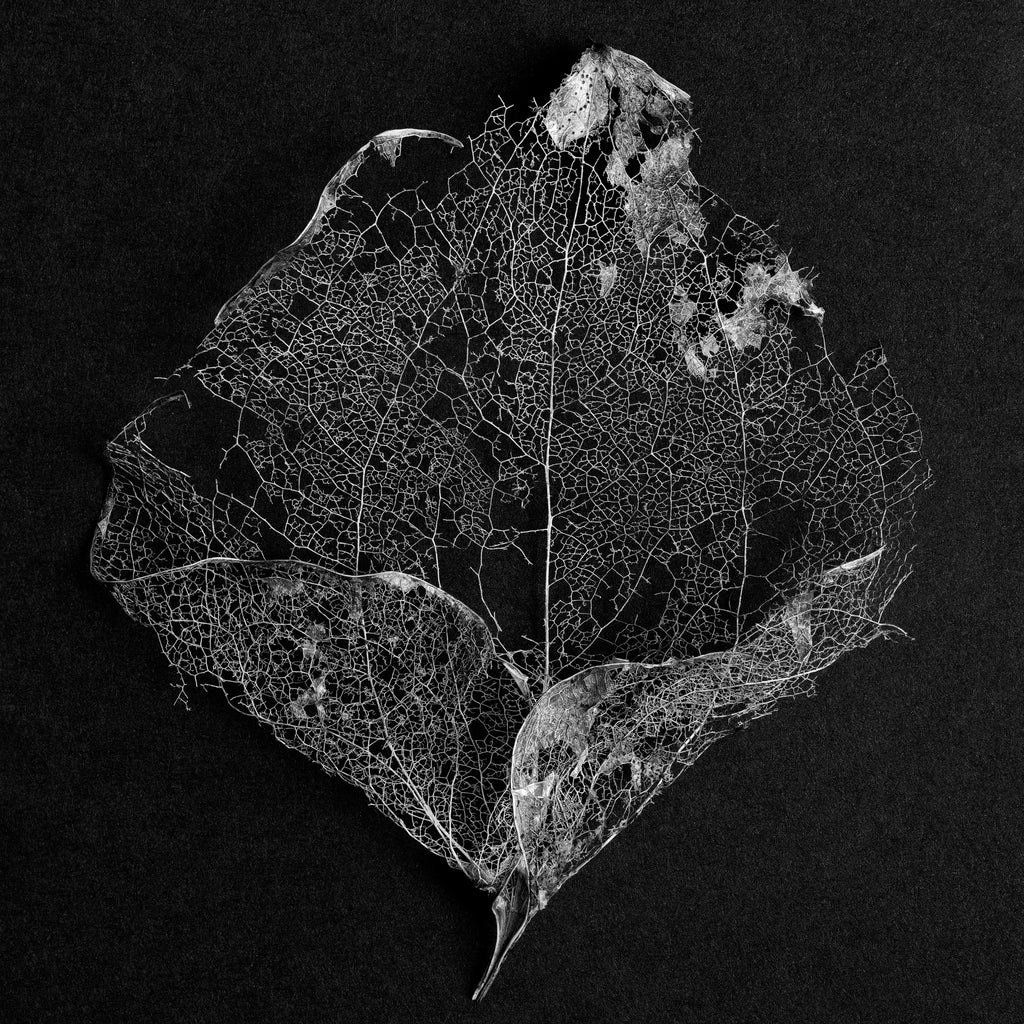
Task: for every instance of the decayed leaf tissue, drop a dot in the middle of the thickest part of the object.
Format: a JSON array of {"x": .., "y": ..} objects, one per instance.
[{"x": 529, "y": 491}]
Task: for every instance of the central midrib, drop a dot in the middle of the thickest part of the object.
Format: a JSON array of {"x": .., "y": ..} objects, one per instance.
[{"x": 546, "y": 682}]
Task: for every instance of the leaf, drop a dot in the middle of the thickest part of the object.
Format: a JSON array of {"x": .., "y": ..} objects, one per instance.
[{"x": 527, "y": 490}]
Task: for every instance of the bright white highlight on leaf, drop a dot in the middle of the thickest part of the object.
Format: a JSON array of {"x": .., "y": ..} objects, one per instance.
[{"x": 526, "y": 491}]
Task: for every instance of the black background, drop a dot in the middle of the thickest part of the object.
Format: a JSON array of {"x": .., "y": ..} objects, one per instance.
[{"x": 852, "y": 858}]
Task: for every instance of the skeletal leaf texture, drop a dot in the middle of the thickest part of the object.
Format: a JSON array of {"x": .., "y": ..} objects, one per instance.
[{"x": 526, "y": 490}]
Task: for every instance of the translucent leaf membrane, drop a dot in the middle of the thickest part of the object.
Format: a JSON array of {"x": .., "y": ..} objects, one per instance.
[{"x": 523, "y": 492}]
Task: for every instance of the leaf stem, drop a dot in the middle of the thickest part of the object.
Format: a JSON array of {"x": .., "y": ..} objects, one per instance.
[{"x": 513, "y": 908}]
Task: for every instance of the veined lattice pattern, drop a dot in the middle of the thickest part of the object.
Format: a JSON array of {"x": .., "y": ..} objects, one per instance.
[{"x": 534, "y": 488}]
